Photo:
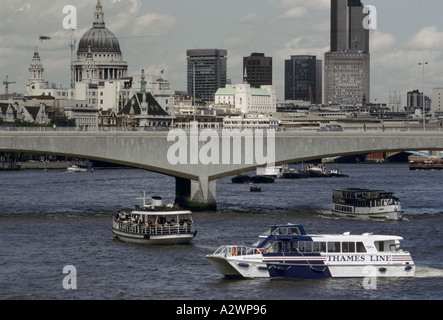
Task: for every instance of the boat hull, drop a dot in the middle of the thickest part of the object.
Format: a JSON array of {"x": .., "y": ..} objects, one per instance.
[
  {"x": 389, "y": 212},
  {"x": 301, "y": 268},
  {"x": 154, "y": 239}
]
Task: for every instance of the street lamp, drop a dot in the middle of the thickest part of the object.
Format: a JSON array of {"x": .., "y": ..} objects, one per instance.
[
  {"x": 422, "y": 64},
  {"x": 193, "y": 84}
]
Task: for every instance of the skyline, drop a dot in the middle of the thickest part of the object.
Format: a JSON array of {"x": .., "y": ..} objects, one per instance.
[{"x": 155, "y": 36}]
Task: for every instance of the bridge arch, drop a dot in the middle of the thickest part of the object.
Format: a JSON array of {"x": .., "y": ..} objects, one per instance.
[{"x": 196, "y": 183}]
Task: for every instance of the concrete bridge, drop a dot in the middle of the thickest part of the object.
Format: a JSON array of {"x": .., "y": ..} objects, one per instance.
[{"x": 198, "y": 159}]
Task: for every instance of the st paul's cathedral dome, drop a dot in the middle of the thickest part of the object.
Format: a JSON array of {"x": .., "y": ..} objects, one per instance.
[{"x": 99, "y": 55}]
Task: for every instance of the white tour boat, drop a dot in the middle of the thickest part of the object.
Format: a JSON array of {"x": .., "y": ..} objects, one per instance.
[
  {"x": 286, "y": 251},
  {"x": 80, "y": 167},
  {"x": 76, "y": 168},
  {"x": 366, "y": 204},
  {"x": 155, "y": 224}
]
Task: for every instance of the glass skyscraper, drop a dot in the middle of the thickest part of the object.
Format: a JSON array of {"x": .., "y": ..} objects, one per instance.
[
  {"x": 257, "y": 70},
  {"x": 303, "y": 79},
  {"x": 210, "y": 67}
]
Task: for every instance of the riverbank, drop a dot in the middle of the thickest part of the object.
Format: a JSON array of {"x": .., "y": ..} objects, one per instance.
[{"x": 39, "y": 165}]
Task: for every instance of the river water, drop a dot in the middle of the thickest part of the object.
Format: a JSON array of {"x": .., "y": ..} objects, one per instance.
[{"x": 52, "y": 219}]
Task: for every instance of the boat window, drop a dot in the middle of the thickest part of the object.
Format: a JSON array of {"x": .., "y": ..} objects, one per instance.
[
  {"x": 387, "y": 245},
  {"x": 305, "y": 246},
  {"x": 293, "y": 231},
  {"x": 361, "y": 247},
  {"x": 288, "y": 246},
  {"x": 274, "y": 247},
  {"x": 379, "y": 245},
  {"x": 319, "y": 246},
  {"x": 348, "y": 246},
  {"x": 334, "y": 247}
]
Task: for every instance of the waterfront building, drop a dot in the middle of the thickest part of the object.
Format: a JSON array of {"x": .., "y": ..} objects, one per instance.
[
  {"x": 85, "y": 115},
  {"x": 303, "y": 79},
  {"x": 159, "y": 87},
  {"x": 258, "y": 121},
  {"x": 8, "y": 111},
  {"x": 208, "y": 67},
  {"x": 257, "y": 70},
  {"x": 143, "y": 110},
  {"x": 245, "y": 99}
]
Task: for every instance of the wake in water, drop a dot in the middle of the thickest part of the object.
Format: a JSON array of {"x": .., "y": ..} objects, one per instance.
[{"x": 427, "y": 272}]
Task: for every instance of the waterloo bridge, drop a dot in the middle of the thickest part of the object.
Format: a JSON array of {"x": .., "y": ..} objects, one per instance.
[{"x": 198, "y": 159}]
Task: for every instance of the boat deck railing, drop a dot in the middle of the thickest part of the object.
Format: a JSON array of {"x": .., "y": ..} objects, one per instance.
[
  {"x": 176, "y": 228},
  {"x": 236, "y": 251}
]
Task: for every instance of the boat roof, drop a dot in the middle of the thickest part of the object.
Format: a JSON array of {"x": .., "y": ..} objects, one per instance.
[
  {"x": 353, "y": 237},
  {"x": 358, "y": 190},
  {"x": 161, "y": 213}
]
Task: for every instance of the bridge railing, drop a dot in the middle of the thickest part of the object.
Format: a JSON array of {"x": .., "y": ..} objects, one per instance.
[{"x": 397, "y": 129}]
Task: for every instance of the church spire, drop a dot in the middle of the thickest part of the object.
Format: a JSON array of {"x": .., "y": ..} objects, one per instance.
[
  {"x": 99, "y": 21},
  {"x": 36, "y": 68}
]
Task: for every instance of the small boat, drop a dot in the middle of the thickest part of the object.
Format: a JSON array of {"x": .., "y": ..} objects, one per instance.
[
  {"x": 262, "y": 179},
  {"x": 293, "y": 174},
  {"x": 241, "y": 178},
  {"x": 80, "y": 167},
  {"x": 273, "y": 171},
  {"x": 317, "y": 170},
  {"x": 286, "y": 251},
  {"x": 337, "y": 173},
  {"x": 155, "y": 224},
  {"x": 76, "y": 168},
  {"x": 426, "y": 164},
  {"x": 255, "y": 189},
  {"x": 366, "y": 204}
]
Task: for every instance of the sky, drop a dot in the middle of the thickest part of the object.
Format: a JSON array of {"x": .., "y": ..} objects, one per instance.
[{"x": 154, "y": 35}]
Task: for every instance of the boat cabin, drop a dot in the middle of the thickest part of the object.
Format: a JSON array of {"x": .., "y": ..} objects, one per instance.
[
  {"x": 156, "y": 218},
  {"x": 293, "y": 239},
  {"x": 363, "y": 197}
]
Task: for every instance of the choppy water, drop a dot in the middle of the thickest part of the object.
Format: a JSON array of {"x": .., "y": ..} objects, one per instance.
[{"x": 51, "y": 219}]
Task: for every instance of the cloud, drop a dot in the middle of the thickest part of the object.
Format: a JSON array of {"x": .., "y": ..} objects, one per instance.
[
  {"x": 427, "y": 38},
  {"x": 252, "y": 18},
  {"x": 239, "y": 39},
  {"x": 315, "y": 4},
  {"x": 295, "y": 13},
  {"x": 380, "y": 42}
]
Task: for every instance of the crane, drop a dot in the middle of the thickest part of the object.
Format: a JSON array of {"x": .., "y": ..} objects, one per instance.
[{"x": 6, "y": 84}]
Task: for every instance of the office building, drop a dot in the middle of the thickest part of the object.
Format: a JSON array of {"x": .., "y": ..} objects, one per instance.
[
  {"x": 210, "y": 66},
  {"x": 303, "y": 79},
  {"x": 347, "y": 30},
  {"x": 347, "y": 65},
  {"x": 415, "y": 100},
  {"x": 437, "y": 101},
  {"x": 257, "y": 70},
  {"x": 347, "y": 78}
]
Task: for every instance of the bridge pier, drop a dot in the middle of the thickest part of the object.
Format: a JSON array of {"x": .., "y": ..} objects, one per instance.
[{"x": 196, "y": 195}]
